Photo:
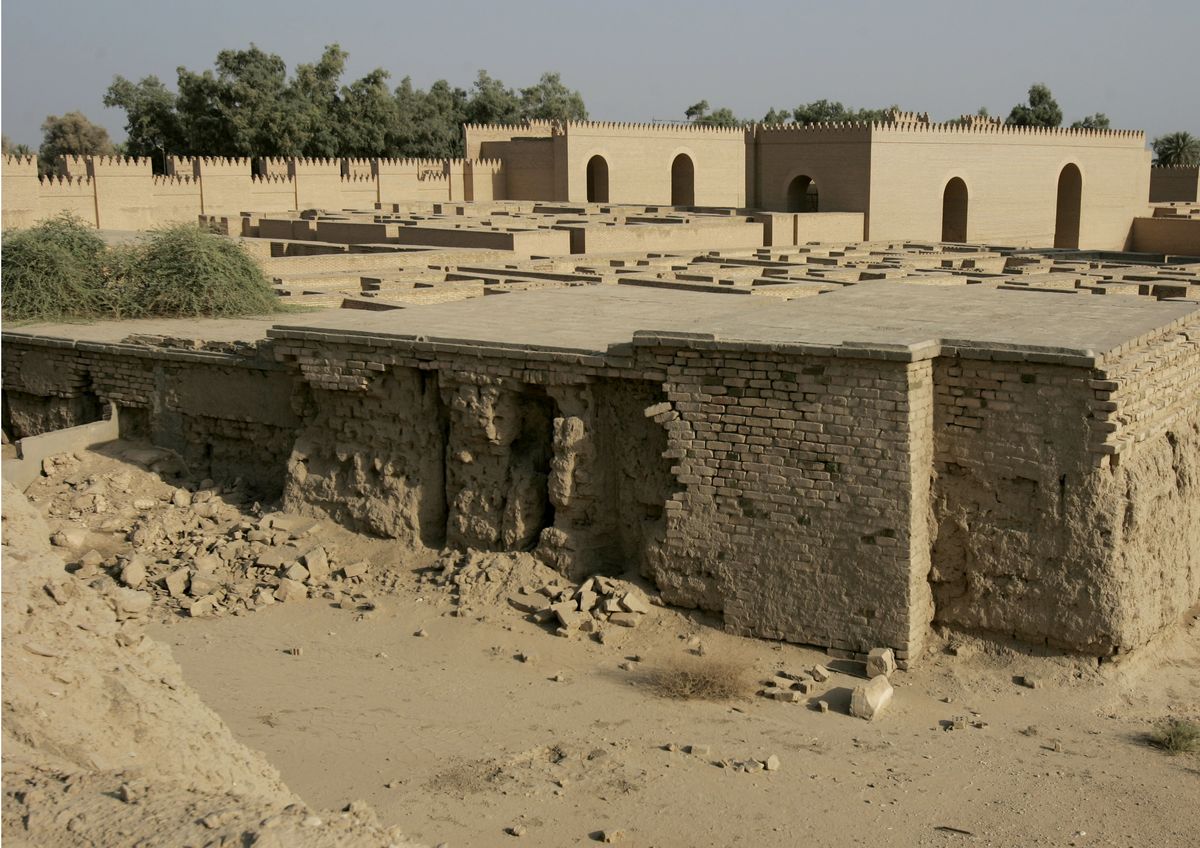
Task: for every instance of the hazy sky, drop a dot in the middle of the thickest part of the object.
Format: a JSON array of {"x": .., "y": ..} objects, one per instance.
[{"x": 1132, "y": 59}]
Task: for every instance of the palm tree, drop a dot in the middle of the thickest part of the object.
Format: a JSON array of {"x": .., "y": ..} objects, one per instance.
[{"x": 1177, "y": 148}]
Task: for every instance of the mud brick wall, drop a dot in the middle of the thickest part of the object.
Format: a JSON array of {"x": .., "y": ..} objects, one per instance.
[
  {"x": 796, "y": 503},
  {"x": 228, "y": 415},
  {"x": 486, "y": 448},
  {"x": 1065, "y": 496},
  {"x": 838, "y": 496},
  {"x": 1146, "y": 406},
  {"x": 46, "y": 388}
]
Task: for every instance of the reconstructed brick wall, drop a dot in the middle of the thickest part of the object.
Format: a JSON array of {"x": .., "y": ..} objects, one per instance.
[{"x": 1012, "y": 177}]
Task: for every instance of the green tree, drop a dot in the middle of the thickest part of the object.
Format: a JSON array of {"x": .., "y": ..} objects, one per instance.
[
  {"x": 550, "y": 100},
  {"x": 71, "y": 135},
  {"x": 492, "y": 102},
  {"x": 151, "y": 119},
  {"x": 698, "y": 114},
  {"x": 429, "y": 123},
  {"x": 1099, "y": 121},
  {"x": 1177, "y": 148},
  {"x": 366, "y": 117},
  {"x": 1042, "y": 110},
  {"x": 832, "y": 111},
  {"x": 314, "y": 97}
]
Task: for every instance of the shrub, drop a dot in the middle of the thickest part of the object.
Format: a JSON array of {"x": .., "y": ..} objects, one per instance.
[
  {"x": 61, "y": 269},
  {"x": 1176, "y": 736},
  {"x": 185, "y": 271},
  {"x": 701, "y": 678},
  {"x": 52, "y": 271}
]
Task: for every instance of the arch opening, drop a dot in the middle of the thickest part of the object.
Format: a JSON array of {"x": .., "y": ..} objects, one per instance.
[
  {"x": 1067, "y": 209},
  {"x": 802, "y": 195},
  {"x": 597, "y": 180},
  {"x": 683, "y": 181},
  {"x": 954, "y": 211}
]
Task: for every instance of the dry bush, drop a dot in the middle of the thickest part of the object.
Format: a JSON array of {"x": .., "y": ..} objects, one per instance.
[
  {"x": 692, "y": 678},
  {"x": 1176, "y": 736}
]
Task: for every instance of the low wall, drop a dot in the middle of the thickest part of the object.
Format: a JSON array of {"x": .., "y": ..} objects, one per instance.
[{"x": 696, "y": 234}]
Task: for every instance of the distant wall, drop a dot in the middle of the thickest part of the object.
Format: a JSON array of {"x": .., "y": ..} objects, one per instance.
[
  {"x": 892, "y": 173},
  {"x": 1177, "y": 182},
  {"x": 639, "y": 158},
  {"x": 1167, "y": 235},
  {"x": 122, "y": 193},
  {"x": 1012, "y": 178},
  {"x": 837, "y": 159}
]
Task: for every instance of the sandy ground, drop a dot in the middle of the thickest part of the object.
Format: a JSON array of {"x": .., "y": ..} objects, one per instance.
[{"x": 454, "y": 738}]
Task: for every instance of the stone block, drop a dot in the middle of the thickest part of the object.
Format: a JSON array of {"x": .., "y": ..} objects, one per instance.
[{"x": 869, "y": 699}]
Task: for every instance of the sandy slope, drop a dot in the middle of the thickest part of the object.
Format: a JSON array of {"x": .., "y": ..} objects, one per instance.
[{"x": 104, "y": 743}]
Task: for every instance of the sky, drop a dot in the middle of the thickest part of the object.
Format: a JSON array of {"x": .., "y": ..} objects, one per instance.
[{"x": 1134, "y": 60}]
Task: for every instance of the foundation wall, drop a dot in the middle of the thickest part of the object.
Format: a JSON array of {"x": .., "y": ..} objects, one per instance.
[{"x": 842, "y": 497}]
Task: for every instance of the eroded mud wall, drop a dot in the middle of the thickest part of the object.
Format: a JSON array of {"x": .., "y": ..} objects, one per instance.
[
  {"x": 227, "y": 415},
  {"x": 1066, "y": 504},
  {"x": 506, "y": 452},
  {"x": 373, "y": 459},
  {"x": 498, "y": 462}
]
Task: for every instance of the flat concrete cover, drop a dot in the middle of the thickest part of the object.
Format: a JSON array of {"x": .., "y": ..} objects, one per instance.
[
  {"x": 591, "y": 318},
  {"x": 886, "y": 313}
]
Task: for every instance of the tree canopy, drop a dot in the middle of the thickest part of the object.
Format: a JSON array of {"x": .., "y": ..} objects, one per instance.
[
  {"x": 1042, "y": 110},
  {"x": 698, "y": 114},
  {"x": 248, "y": 105},
  {"x": 1099, "y": 121},
  {"x": 71, "y": 134},
  {"x": 1177, "y": 148}
]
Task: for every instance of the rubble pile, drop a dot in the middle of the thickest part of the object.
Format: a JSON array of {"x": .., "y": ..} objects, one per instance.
[
  {"x": 204, "y": 549},
  {"x": 532, "y": 587}
]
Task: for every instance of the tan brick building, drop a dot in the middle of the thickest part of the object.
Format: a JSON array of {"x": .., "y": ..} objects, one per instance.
[{"x": 906, "y": 178}]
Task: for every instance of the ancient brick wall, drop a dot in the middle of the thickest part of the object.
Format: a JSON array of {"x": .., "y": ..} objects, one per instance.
[
  {"x": 228, "y": 415},
  {"x": 839, "y": 496},
  {"x": 1065, "y": 495},
  {"x": 794, "y": 515}
]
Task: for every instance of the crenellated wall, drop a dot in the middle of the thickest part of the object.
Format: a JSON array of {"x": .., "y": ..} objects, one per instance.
[
  {"x": 123, "y": 194},
  {"x": 1021, "y": 186}
]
